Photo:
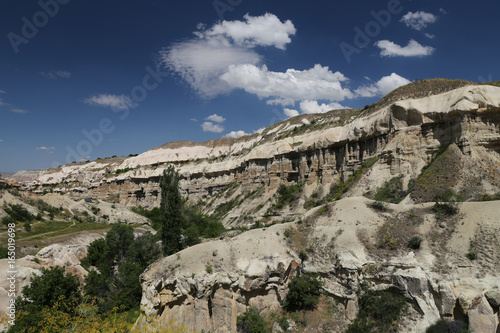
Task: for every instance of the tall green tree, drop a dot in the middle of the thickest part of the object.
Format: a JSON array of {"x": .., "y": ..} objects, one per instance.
[{"x": 171, "y": 209}]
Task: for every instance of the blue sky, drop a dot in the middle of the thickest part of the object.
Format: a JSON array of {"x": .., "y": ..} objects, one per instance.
[{"x": 87, "y": 79}]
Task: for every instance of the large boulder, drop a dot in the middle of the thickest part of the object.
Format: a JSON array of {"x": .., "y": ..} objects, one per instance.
[{"x": 482, "y": 319}]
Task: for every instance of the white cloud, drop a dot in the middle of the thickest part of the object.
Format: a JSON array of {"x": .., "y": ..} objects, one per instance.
[
  {"x": 54, "y": 75},
  {"x": 2, "y": 92},
  {"x": 260, "y": 130},
  {"x": 430, "y": 36},
  {"x": 216, "y": 118},
  {"x": 50, "y": 150},
  {"x": 19, "y": 111},
  {"x": 235, "y": 134},
  {"x": 313, "y": 107},
  {"x": 286, "y": 88},
  {"x": 265, "y": 30},
  {"x": 2, "y": 102},
  {"x": 290, "y": 112},
  {"x": 1, "y": 140},
  {"x": 211, "y": 127},
  {"x": 120, "y": 102},
  {"x": 413, "y": 49},
  {"x": 194, "y": 119},
  {"x": 418, "y": 20},
  {"x": 201, "y": 61},
  {"x": 383, "y": 86},
  {"x": 442, "y": 11}
]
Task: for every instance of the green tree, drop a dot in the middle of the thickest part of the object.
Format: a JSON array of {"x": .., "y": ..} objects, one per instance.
[
  {"x": 144, "y": 250},
  {"x": 251, "y": 322},
  {"x": 118, "y": 240},
  {"x": 50, "y": 287},
  {"x": 303, "y": 294},
  {"x": 171, "y": 208}
]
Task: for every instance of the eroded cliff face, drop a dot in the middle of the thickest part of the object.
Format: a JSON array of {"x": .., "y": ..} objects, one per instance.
[
  {"x": 207, "y": 286},
  {"x": 313, "y": 149}
]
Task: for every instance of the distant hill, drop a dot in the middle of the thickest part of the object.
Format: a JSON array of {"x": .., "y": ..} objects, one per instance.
[{"x": 6, "y": 174}]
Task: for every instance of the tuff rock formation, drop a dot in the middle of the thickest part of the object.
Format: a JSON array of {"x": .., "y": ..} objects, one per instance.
[{"x": 349, "y": 243}]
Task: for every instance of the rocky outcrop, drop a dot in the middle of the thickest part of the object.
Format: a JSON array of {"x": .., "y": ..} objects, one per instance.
[
  {"x": 312, "y": 149},
  {"x": 209, "y": 285}
]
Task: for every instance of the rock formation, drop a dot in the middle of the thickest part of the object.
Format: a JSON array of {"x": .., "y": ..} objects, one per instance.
[{"x": 351, "y": 245}]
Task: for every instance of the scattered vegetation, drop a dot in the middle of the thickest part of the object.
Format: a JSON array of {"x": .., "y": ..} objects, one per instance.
[
  {"x": 444, "y": 326},
  {"x": 379, "y": 311},
  {"x": 492, "y": 197},
  {"x": 286, "y": 195},
  {"x": 391, "y": 191},
  {"x": 341, "y": 187},
  {"x": 439, "y": 176},
  {"x": 251, "y": 322},
  {"x": 303, "y": 294},
  {"x": 472, "y": 254},
  {"x": 398, "y": 230}
]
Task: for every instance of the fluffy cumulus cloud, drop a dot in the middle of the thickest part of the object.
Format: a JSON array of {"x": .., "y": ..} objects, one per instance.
[
  {"x": 286, "y": 88},
  {"x": 202, "y": 60},
  {"x": 314, "y": 107},
  {"x": 383, "y": 86},
  {"x": 54, "y": 75},
  {"x": 418, "y": 20},
  {"x": 265, "y": 30},
  {"x": 413, "y": 49},
  {"x": 208, "y": 126},
  {"x": 216, "y": 118},
  {"x": 120, "y": 102},
  {"x": 290, "y": 112},
  {"x": 235, "y": 134}
]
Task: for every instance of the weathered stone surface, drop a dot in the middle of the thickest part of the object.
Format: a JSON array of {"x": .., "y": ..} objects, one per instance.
[
  {"x": 493, "y": 298},
  {"x": 448, "y": 299},
  {"x": 482, "y": 319}
]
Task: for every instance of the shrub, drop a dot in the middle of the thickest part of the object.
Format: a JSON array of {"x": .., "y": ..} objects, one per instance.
[
  {"x": 4, "y": 252},
  {"x": 251, "y": 322},
  {"x": 378, "y": 205},
  {"x": 287, "y": 194},
  {"x": 378, "y": 312},
  {"x": 415, "y": 242},
  {"x": 391, "y": 191},
  {"x": 303, "y": 294},
  {"x": 209, "y": 269},
  {"x": 443, "y": 326}
]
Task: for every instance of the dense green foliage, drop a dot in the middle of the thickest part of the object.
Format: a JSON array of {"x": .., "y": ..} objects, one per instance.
[
  {"x": 188, "y": 222},
  {"x": 415, "y": 242},
  {"x": 3, "y": 252},
  {"x": 171, "y": 212},
  {"x": 52, "y": 288},
  {"x": 378, "y": 312},
  {"x": 120, "y": 260},
  {"x": 251, "y": 322},
  {"x": 303, "y": 293},
  {"x": 444, "y": 326}
]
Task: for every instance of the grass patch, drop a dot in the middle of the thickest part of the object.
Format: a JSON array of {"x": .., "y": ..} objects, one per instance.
[
  {"x": 378, "y": 205},
  {"x": 46, "y": 230},
  {"x": 439, "y": 176}
]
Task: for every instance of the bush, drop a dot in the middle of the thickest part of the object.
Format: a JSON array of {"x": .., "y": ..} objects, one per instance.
[
  {"x": 415, "y": 242},
  {"x": 3, "y": 252},
  {"x": 378, "y": 205},
  {"x": 251, "y": 322},
  {"x": 443, "y": 326},
  {"x": 378, "y": 312},
  {"x": 303, "y": 294},
  {"x": 287, "y": 194}
]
